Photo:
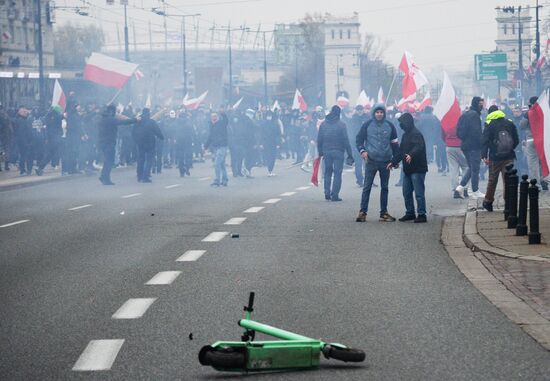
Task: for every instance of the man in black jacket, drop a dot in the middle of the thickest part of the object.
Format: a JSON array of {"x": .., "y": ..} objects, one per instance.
[
  {"x": 415, "y": 166},
  {"x": 332, "y": 142},
  {"x": 145, "y": 134},
  {"x": 54, "y": 134},
  {"x": 217, "y": 142},
  {"x": 500, "y": 138},
  {"x": 469, "y": 131},
  {"x": 107, "y": 135}
]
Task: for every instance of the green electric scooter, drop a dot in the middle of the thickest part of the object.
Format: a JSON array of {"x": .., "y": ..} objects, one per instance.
[{"x": 292, "y": 352}]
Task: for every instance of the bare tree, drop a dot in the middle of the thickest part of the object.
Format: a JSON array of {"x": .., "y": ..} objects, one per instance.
[{"x": 72, "y": 44}]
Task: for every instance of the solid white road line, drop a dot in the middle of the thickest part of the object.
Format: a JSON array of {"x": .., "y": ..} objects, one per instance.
[
  {"x": 286, "y": 194},
  {"x": 303, "y": 188},
  {"x": 80, "y": 207},
  {"x": 204, "y": 178},
  {"x": 215, "y": 237},
  {"x": 133, "y": 308},
  {"x": 272, "y": 201},
  {"x": 98, "y": 355},
  {"x": 14, "y": 223},
  {"x": 191, "y": 255},
  {"x": 132, "y": 195},
  {"x": 172, "y": 186},
  {"x": 254, "y": 209},
  {"x": 235, "y": 221},
  {"x": 163, "y": 278}
]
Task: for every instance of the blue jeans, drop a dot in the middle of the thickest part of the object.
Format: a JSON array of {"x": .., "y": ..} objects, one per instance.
[
  {"x": 414, "y": 182},
  {"x": 473, "y": 157},
  {"x": 371, "y": 167},
  {"x": 334, "y": 164},
  {"x": 219, "y": 165}
]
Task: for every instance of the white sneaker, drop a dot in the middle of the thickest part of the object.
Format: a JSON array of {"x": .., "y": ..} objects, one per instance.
[
  {"x": 477, "y": 194},
  {"x": 460, "y": 190}
]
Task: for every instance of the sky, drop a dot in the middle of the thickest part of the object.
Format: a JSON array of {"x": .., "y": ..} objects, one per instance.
[{"x": 441, "y": 34}]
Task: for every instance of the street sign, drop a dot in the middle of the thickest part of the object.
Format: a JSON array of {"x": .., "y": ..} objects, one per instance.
[{"x": 491, "y": 66}]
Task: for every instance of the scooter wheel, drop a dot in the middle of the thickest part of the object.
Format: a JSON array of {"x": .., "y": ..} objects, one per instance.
[
  {"x": 229, "y": 358},
  {"x": 344, "y": 354}
]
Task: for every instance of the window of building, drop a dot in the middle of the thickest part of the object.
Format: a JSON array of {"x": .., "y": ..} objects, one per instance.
[
  {"x": 520, "y": 28},
  {"x": 332, "y": 33},
  {"x": 505, "y": 28},
  {"x": 349, "y": 34},
  {"x": 341, "y": 34},
  {"x": 513, "y": 28}
]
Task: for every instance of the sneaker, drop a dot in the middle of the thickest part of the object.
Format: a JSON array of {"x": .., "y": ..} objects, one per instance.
[
  {"x": 362, "y": 217},
  {"x": 477, "y": 194},
  {"x": 215, "y": 184},
  {"x": 407, "y": 217},
  {"x": 148, "y": 180},
  {"x": 460, "y": 191},
  {"x": 456, "y": 194},
  {"x": 386, "y": 217},
  {"x": 327, "y": 197},
  {"x": 335, "y": 199},
  {"x": 420, "y": 219},
  {"x": 488, "y": 206}
]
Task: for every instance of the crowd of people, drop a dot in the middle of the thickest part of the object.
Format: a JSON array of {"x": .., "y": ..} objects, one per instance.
[{"x": 81, "y": 137}]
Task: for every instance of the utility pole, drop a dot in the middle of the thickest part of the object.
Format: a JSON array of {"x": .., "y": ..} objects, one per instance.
[
  {"x": 538, "y": 74},
  {"x": 265, "y": 70},
  {"x": 520, "y": 46},
  {"x": 126, "y": 42},
  {"x": 228, "y": 29},
  {"x": 39, "y": 48}
]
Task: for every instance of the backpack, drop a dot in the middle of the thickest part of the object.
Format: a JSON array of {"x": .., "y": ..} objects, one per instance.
[{"x": 504, "y": 144}]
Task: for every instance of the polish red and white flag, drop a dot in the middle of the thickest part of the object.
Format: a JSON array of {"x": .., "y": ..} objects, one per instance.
[
  {"x": 427, "y": 101},
  {"x": 299, "y": 103},
  {"x": 194, "y": 103},
  {"x": 414, "y": 78},
  {"x": 237, "y": 104},
  {"x": 138, "y": 74},
  {"x": 447, "y": 108},
  {"x": 362, "y": 99},
  {"x": 58, "y": 98},
  {"x": 342, "y": 101},
  {"x": 539, "y": 120},
  {"x": 381, "y": 97},
  {"x": 108, "y": 71}
]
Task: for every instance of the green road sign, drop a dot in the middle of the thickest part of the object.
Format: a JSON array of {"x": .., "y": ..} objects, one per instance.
[{"x": 491, "y": 66}]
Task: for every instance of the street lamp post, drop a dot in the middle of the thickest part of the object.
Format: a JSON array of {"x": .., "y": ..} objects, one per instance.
[{"x": 41, "y": 82}]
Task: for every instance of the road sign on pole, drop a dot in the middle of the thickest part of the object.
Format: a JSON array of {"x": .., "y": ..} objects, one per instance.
[{"x": 492, "y": 66}]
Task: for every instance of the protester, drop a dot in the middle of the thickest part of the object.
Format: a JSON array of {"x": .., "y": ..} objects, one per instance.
[
  {"x": 500, "y": 138},
  {"x": 146, "y": 134},
  {"x": 377, "y": 142},
  {"x": 217, "y": 142},
  {"x": 415, "y": 166},
  {"x": 358, "y": 118},
  {"x": 533, "y": 160},
  {"x": 22, "y": 128},
  {"x": 332, "y": 142},
  {"x": 54, "y": 134}
]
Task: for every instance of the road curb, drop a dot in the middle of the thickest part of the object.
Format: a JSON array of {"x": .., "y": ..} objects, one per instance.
[
  {"x": 517, "y": 310},
  {"x": 476, "y": 242}
]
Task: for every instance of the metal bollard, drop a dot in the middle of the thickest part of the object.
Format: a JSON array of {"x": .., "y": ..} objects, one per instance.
[
  {"x": 506, "y": 194},
  {"x": 512, "y": 195},
  {"x": 534, "y": 234},
  {"x": 521, "y": 228}
]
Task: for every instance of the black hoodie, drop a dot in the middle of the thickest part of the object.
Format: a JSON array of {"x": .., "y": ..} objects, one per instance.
[
  {"x": 468, "y": 128},
  {"x": 332, "y": 134},
  {"x": 413, "y": 144}
]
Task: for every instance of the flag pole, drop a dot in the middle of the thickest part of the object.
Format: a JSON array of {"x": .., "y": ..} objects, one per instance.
[
  {"x": 116, "y": 96},
  {"x": 391, "y": 86}
]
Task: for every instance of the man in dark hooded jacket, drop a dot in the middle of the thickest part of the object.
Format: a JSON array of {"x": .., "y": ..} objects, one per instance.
[
  {"x": 415, "y": 166},
  {"x": 377, "y": 142},
  {"x": 145, "y": 134},
  {"x": 469, "y": 131},
  {"x": 332, "y": 142}
]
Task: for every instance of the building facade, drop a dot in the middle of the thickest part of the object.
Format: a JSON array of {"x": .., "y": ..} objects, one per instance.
[{"x": 342, "y": 58}]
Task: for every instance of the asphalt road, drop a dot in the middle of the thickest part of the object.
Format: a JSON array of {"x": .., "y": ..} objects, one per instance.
[{"x": 68, "y": 277}]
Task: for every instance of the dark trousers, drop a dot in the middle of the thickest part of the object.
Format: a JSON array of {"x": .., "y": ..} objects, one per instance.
[
  {"x": 157, "y": 156},
  {"x": 69, "y": 163},
  {"x": 473, "y": 158},
  {"x": 414, "y": 182},
  {"x": 144, "y": 162},
  {"x": 52, "y": 149},
  {"x": 270, "y": 153},
  {"x": 371, "y": 168},
  {"x": 495, "y": 169},
  {"x": 25, "y": 156},
  {"x": 237, "y": 157},
  {"x": 108, "y": 162},
  {"x": 334, "y": 166}
]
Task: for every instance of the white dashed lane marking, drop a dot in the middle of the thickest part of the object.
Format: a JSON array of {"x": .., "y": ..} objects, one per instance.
[
  {"x": 163, "y": 278},
  {"x": 215, "y": 236},
  {"x": 191, "y": 255},
  {"x": 133, "y": 308},
  {"x": 80, "y": 207},
  {"x": 14, "y": 223},
  {"x": 132, "y": 195},
  {"x": 272, "y": 201},
  {"x": 235, "y": 221},
  {"x": 98, "y": 355},
  {"x": 254, "y": 209},
  {"x": 172, "y": 186},
  {"x": 204, "y": 178},
  {"x": 303, "y": 188},
  {"x": 286, "y": 194}
]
